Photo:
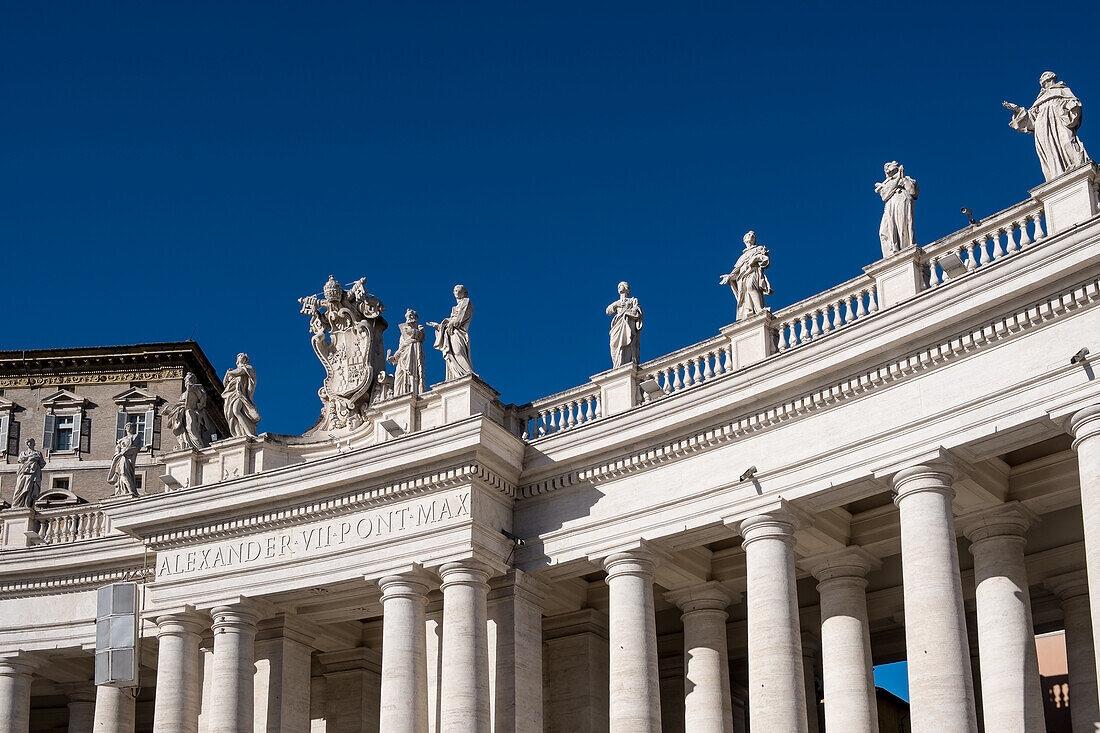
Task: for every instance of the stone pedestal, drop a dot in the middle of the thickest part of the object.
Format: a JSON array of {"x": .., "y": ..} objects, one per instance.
[
  {"x": 179, "y": 674},
  {"x": 847, "y": 669},
  {"x": 635, "y": 695},
  {"x": 465, "y": 689},
  {"x": 232, "y": 705},
  {"x": 777, "y": 689},
  {"x": 185, "y": 467},
  {"x": 515, "y": 653},
  {"x": 15, "y": 693},
  {"x": 401, "y": 411},
  {"x": 706, "y": 685},
  {"x": 941, "y": 692},
  {"x": 618, "y": 389},
  {"x": 1069, "y": 199},
  {"x": 114, "y": 709},
  {"x": 16, "y": 524},
  {"x": 284, "y": 646},
  {"x": 1072, "y": 590},
  {"x": 897, "y": 277},
  {"x": 463, "y": 397},
  {"x": 751, "y": 340},
  {"x": 404, "y": 697},
  {"x": 1010, "y": 694},
  {"x": 352, "y": 690}
]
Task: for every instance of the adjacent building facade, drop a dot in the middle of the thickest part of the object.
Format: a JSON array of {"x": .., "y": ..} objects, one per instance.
[{"x": 903, "y": 467}]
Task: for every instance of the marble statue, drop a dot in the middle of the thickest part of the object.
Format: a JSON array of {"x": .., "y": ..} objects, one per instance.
[
  {"x": 346, "y": 332},
  {"x": 898, "y": 193},
  {"x": 452, "y": 336},
  {"x": 239, "y": 399},
  {"x": 28, "y": 482},
  {"x": 121, "y": 475},
  {"x": 626, "y": 328},
  {"x": 1053, "y": 119},
  {"x": 408, "y": 377},
  {"x": 185, "y": 417},
  {"x": 747, "y": 280}
]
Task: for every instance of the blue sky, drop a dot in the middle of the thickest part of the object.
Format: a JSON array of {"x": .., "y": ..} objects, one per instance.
[{"x": 190, "y": 170}]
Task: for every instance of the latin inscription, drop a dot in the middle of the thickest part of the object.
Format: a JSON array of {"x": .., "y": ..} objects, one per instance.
[{"x": 360, "y": 528}]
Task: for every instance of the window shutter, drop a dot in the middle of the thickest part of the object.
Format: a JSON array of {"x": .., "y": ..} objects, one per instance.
[
  {"x": 13, "y": 437},
  {"x": 147, "y": 438},
  {"x": 120, "y": 425},
  {"x": 47, "y": 433},
  {"x": 5, "y": 421},
  {"x": 82, "y": 428},
  {"x": 156, "y": 429}
]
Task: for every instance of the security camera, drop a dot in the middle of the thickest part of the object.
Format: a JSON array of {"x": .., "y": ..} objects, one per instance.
[
  {"x": 1080, "y": 357},
  {"x": 969, "y": 214},
  {"x": 749, "y": 473},
  {"x": 516, "y": 540}
]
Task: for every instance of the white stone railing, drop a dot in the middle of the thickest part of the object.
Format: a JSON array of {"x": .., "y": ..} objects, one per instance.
[
  {"x": 826, "y": 312},
  {"x": 689, "y": 366},
  {"x": 72, "y": 524},
  {"x": 562, "y": 411},
  {"x": 1001, "y": 235}
]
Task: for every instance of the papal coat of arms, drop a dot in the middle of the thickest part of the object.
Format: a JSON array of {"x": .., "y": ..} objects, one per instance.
[{"x": 347, "y": 328}]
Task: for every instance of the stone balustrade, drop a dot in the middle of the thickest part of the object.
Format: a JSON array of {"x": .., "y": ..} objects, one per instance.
[
  {"x": 989, "y": 240},
  {"x": 72, "y": 524},
  {"x": 830, "y": 311},
  {"x": 562, "y": 411},
  {"x": 690, "y": 366}
]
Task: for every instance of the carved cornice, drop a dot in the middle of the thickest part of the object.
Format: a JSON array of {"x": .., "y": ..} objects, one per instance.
[
  {"x": 334, "y": 506},
  {"x": 962, "y": 344},
  {"x": 115, "y": 376},
  {"x": 54, "y": 585}
]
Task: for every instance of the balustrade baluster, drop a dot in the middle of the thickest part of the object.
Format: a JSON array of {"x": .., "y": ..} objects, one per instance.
[
  {"x": 599, "y": 406},
  {"x": 553, "y": 421},
  {"x": 1039, "y": 233},
  {"x": 984, "y": 258},
  {"x": 1010, "y": 245},
  {"x": 861, "y": 311},
  {"x": 708, "y": 373},
  {"x": 587, "y": 403},
  {"x": 998, "y": 250},
  {"x": 971, "y": 263},
  {"x": 570, "y": 419},
  {"x": 872, "y": 299},
  {"x": 781, "y": 344},
  {"x": 838, "y": 318},
  {"x": 826, "y": 320},
  {"x": 815, "y": 330},
  {"x": 933, "y": 272},
  {"x": 849, "y": 314},
  {"x": 1025, "y": 240},
  {"x": 696, "y": 375},
  {"x": 804, "y": 335},
  {"x": 677, "y": 384}
]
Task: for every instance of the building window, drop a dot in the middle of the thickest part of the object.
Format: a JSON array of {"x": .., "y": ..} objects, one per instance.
[
  {"x": 59, "y": 483},
  {"x": 139, "y": 480},
  {"x": 138, "y": 421},
  {"x": 63, "y": 432}
]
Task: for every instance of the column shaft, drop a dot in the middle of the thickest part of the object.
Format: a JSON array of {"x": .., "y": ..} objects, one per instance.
[
  {"x": 1085, "y": 426},
  {"x": 1011, "y": 695},
  {"x": 941, "y": 692},
  {"x": 404, "y": 703},
  {"x": 1073, "y": 590},
  {"x": 15, "y": 694},
  {"x": 708, "y": 705},
  {"x": 465, "y": 688},
  {"x": 114, "y": 710},
  {"x": 635, "y": 687},
  {"x": 777, "y": 685},
  {"x": 82, "y": 710},
  {"x": 232, "y": 708},
  {"x": 179, "y": 675}
]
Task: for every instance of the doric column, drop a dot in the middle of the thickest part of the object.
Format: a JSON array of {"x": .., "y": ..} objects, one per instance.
[
  {"x": 284, "y": 651},
  {"x": 81, "y": 707},
  {"x": 232, "y": 708},
  {"x": 777, "y": 685},
  {"x": 465, "y": 689},
  {"x": 15, "y": 693},
  {"x": 179, "y": 674},
  {"x": 1011, "y": 695},
  {"x": 404, "y": 703},
  {"x": 941, "y": 690},
  {"x": 1072, "y": 590},
  {"x": 707, "y": 702},
  {"x": 114, "y": 709},
  {"x": 515, "y": 653},
  {"x": 635, "y": 689},
  {"x": 847, "y": 670},
  {"x": 1085, "y": 426}
]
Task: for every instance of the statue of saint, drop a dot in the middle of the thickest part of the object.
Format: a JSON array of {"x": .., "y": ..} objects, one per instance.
[
  {"x": 452, "y": 336},
  {"x": 408, "y": 375},
  {"x": 748, "y": 281},
  {"x": 1054, "y": 120},
  {"x": 239, "y": 394},
  {"x": 626, "y": 328},
  {"x": 898, "y": 193},
  {"x": 185, "y": 417},
  {"x": 28, "y": 482},
  {"x": 121, "y": 475}
]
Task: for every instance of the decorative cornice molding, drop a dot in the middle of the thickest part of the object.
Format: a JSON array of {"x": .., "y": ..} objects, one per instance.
[
  {"x": 333, "y": 506},
  {"x": 940, "y": 353},
  {"x": 73, "y": 583},
  {"x": 115, "y": 376}
]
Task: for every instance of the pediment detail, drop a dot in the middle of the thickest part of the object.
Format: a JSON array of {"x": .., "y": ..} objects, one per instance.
[
  {"x": 64, "y": 398},
  {"x": 136, "y": 397}
]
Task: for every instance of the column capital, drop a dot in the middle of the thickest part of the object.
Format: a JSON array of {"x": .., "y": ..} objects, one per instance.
[
  {"x": 19, "y": 664},
  {"x": 465, "y": 572},
  {"x": 709, "y": 596},
  {"x": 78, "y": 691},
  {"x": 179, "y": 624},
  {"x": 1084, "y": 424},
  {"x": 778, "y": 524},
  {"x": 1012, "y": 519},
  {"x": 1068, "y": 585},
  {"x": 414, "y": 585},
  {"x": 242, "y": 615},
  {"x": 641, "y": 561},
  {"x": 850, "y": 563},
  {"x": 934, "y": 476}
]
